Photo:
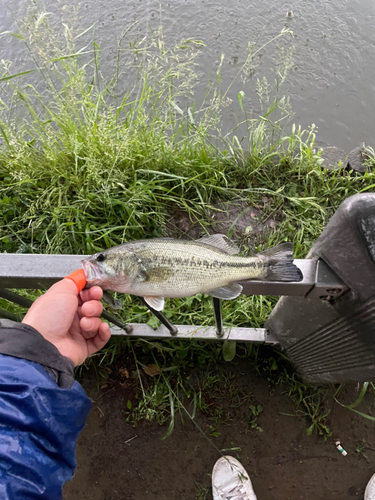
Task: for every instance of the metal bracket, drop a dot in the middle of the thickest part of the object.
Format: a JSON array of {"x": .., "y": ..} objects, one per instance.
[
  {"x": 171, "y": 328},
  {"x": 218, "y": 317}
]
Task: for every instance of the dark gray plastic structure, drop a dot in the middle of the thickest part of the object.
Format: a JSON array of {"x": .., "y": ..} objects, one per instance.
[{"x": 333, "y": 339}]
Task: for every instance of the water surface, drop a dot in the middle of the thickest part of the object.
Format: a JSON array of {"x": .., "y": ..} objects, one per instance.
[{"x": 332, "y": 83}]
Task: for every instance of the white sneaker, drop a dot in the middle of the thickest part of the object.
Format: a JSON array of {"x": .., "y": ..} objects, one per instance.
[
  {"x": 370, "y": 489},
  {"x": 230, "y": 481}
]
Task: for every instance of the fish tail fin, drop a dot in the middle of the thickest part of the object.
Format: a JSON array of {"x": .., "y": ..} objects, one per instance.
[
  {"x": 283, "y": 271},
  {"x": 280, "y": 265}
]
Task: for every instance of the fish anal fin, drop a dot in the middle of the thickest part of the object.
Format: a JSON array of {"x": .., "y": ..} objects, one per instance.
[
  {"x": 226, "y": 292},
  {"x": 156, "y": 303},
  {"x": 158, "y": 274},
  {"x": 220, "y": 242}
]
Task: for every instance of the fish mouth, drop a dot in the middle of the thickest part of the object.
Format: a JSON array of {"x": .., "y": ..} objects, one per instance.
[{"x": 91, "y": 271}]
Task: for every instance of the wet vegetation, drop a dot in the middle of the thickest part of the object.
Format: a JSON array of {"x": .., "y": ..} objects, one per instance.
[{"x": 89, "y": 162}]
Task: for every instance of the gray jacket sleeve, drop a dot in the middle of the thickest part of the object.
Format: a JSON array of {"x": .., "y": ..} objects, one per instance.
[{"x": 23, "y": 341}]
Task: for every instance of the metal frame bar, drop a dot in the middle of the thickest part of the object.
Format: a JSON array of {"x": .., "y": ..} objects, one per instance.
[
  {"x": 14, "y": 297},
  {"x": 8, "y": 315},
  {"x": 42, "y": 271},
  {"x": 185, "y": 332}
]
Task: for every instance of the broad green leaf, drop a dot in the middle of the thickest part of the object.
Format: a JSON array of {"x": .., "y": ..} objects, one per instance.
[{"x": 229, "y": 350}]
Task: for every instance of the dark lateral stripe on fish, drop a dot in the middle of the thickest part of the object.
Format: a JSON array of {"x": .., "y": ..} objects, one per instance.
[
  {"x": 205, "y": 263},
  {"x": 220, "y": 265}
]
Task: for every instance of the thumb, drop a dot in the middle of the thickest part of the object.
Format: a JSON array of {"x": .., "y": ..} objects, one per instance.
[
  {"x": 79, "y": 278},
  {"x": 55, "y": 309}
]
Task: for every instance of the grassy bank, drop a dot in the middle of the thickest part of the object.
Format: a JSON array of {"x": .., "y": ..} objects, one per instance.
[{"x": 88, "y": 162}]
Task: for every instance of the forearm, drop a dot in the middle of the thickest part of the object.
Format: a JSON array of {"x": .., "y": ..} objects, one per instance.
[{"x": 42, "y": 412}]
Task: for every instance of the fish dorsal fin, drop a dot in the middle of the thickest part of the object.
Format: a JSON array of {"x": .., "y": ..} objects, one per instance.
[
  {"x": 220, "y": 242},
  {"x": 158, "y": 274},
  {"x": 280, "y": 252},
  {"x": 156, "y": 303},
  {"x": 226, "y": 292}
]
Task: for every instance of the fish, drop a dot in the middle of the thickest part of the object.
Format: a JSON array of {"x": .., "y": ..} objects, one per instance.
[{"x": 165, "y": 267}]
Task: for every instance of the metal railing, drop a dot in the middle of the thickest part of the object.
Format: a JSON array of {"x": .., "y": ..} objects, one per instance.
[{"x": 35, "y": 271}]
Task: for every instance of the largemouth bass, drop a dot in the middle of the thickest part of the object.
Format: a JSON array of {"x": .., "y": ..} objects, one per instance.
[{"x": 164, "y": 267}]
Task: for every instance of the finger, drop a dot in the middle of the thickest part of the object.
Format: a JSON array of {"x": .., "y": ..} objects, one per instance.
[
  {"x": 99, "y": 341},
  {"x": 75, "y": 324},
  {"x": 91, "y": 309},
  {"x": 90, "y": 327},
  {"x": 94, "y": 293}
]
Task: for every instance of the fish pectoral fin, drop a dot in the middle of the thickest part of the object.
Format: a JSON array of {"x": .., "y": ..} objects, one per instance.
[
  {"x": 226, "y": 292},
  {"x": 156, "y": 303},
  {"x": 158, "y": 274},
  {"x": 220, "y": 242}
]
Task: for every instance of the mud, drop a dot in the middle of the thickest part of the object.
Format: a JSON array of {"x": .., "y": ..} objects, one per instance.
[
  {"x": 117, "y": 461},
  {"x": 239, "y": 220}
]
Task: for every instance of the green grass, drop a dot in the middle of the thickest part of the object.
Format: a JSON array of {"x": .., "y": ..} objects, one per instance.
[{"x": 88, "y": 162}]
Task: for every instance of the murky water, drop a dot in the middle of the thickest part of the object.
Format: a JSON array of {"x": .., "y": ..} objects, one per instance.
[{"x": 332, "y": 83}]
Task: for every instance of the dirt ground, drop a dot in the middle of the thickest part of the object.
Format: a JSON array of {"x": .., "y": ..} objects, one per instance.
[{"x": 117, "y": 461}]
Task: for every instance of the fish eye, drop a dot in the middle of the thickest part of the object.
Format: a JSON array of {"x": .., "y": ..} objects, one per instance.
[{"x": 100, "y": 257}]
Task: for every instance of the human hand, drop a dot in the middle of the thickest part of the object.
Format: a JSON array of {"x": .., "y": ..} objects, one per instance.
[{"x": 70, "y": 321}]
